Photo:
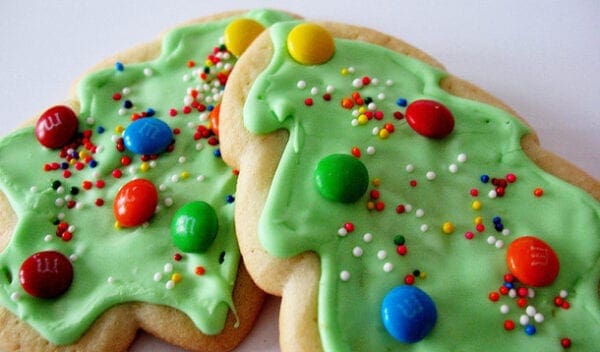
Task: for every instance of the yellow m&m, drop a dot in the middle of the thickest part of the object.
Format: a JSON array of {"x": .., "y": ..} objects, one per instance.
[
  {"x": 240, "y": 33},
  {"x": 310, "y": 44}
]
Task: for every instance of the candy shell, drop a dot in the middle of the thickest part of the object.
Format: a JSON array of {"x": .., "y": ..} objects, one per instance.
[
  {"x": 46, "y": 274},
  {"x": 135, "y": 203},
  {"x": 214, "y": 119},
  {"x": 341, "y": 178},
  {"x": 408, "y": 313},
  {"x": 429, "y": 118},
  {"x": 56, "y": 126},
  {"x": 310, "y": 44},
  {"x": 194, "y": 227},
  {"x": 532, "y": 261},
  {"x": 240, "y": 33},
  {"x": 147, "y": 136}
]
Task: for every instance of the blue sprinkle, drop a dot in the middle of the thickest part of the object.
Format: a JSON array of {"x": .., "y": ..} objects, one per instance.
[
  {"x": 499, "y": 227},
  {"x": 64, "y": 165},
  {"x": 509, "y": 285},
  {"x": 119, "y": 66},
  {"x": 217, "y": 153},
  {"x": 401, "y": 102},
  {"x": 530, "y": 329},
  {"x": 100, "y": 130},
  {"x": 150, "y": 112},
  {"x": 93, "y": 164},
  {"x": 485, "y": 178},
  {"x": 230, "y": 199},
  {"x": 127, "y": 104},
  {"x": 497, "y": 220},
  {"x": 210, "y": 108}
]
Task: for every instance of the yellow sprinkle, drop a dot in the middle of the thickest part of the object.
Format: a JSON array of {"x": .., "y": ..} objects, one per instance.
[
  {"x": 144, "y": 166},
  {"x": 310, "y": 44},
  {"x": 184, "y": 174},
  {"x": 72, "y": 161},
  {"x": 83, "y": 154},
  {"x": 117, "y": 225},
  {"x": 208, "y": 63},
  {"x": 119, "y": 129},
  {"x": 240, "y": 33},
  {"x": 344, "y": 71},
  {"x": 423, "y": 275},
  {"x": 376, "y": 181},
  {"x": 370, "y": 205},
  {"x": 384, "y": 134},
  {"x": 176, "y": 277},
  {"x": 476, "y": 205},
  {"x": 478, "y": 220},
  {"x": 362, "y": 109},
  {"x": 448, "y": 228},
  {"x": 363, "y": 119}
]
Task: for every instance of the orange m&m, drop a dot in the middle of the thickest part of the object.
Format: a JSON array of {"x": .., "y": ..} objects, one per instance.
[
  {"x": 135, "y": 203},
  {"x": 532, "y": 261}
]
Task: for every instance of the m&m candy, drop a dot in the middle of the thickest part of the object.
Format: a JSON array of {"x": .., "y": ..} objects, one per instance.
[
  {"x": 135, "y": 203},
  {"x": 532, "y": 261},
  {"x": 240, "y": 33},
  {"x": 46, "y": 274},
  {"x": 194, "y": 227},
  {"x": 408, "y": 313},
  {"x": 147, "y": 136},
  {"x": 56, "y": 127},
  {"x": 341, "y": 178},
  {"x": 310, "y": 44},
  {"x": 429, "y": 118}
]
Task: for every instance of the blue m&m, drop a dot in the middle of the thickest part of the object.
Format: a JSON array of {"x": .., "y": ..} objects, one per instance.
[
  {"x": 408, "y": 313},
  {"x": 147, "y": 136}
]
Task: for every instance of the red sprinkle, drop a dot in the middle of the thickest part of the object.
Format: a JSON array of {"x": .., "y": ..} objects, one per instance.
[
  {"x": 200, "y": 270},
  {"x": 349, "y": 226},
  {"x": 308, "y": 101},
  {"x": 409, "y": 279},
  {"x": 538, "y": 192},
  {"x": 509, "y": 325},
  {"x": 116, "y": 173},
  {"x": 400, "y": 209},
  {"x": 177, "y": 257},
  {"x": 401, "y": 249},
  {"x": 565, "y": 342},
  {"x": 494, "y": 296}
]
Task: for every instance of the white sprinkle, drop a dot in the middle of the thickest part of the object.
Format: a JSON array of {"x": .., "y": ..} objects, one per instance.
[
  {"x": 79, "y": 206},
  {"x": 59, "y": 202},
  {"x": 424, "y": 228},
  {"x": 314, "y": 91},
  {"x": 491, "y": 240},
  {"x": 162, "y": 187},
  {"x": 371, "y": 150},
  {"x": 186, "y": 77},
  {"x": 499, "y": 244},
  {"x": 382, "y": 254},
  {"x": 170, "y": 284},
  {"x": 33, "y": 189},
  {"x": 357, "y": 83},
  {"x": 381, "y": 96},
  {"x": 506, "y": 232},
  {"x": 148, "y": 72},
  {"x": 122, "y": 112},
  {"x": 90, "y": 120},
  {"x": 530, "y": 310},
  {"x": 407, "y": 208},
  {"x": 387, "y": 267},
  {"x": 181, "y": 159},
  {"x": 524, "y": 320},
  {"x": 504, "y": 309},
  {"x": 538, "y": 317},
  {"x": 73, "y": 257},
  {"x": 61, "y": 216},
  {"x": 372, "y": 106},
  {"x": 132, "y": 169},
  {"x": 563, "y": 293},
  {"x": 354, "y": 122},
  {"x": 461, "y": 158},
  {"x": 410, "y": 168},
  {"x": 200, "y": 178},
  {"x": 168, "y": 268},
  {"x": 199, "y": 146},
  {"x": 48, "y": 238},
  {"x": 157, "y": 276},
  {"x": 168, "y": 202},
  {"x": 126, "y": 90},
  {"x": 344, "y": 275},
  {"x": 355, "y": 113},
  {"x": 203, "y": 117},
  {"x": 419, "y": 213},
  {"x": 15, "y": 296},
  {"x": 389, "y": 82},
  {"x": 430, "y": 175},
  {"x": 301, "y": 84},
  {"x": 453, "y": 168},
  {"x": 68, "y": 198},
  {"x": 357, "y": 251},
  {"x": 492, "y": 194},
  {"x": 60, "y": 190},
  {"x": 110, "y": 280},
  {"x": 330, "y": 89},
  {"x": 175, "y": 178},
  {"x": 512, "y": 293},
  {"x": 374, "y": 81},
  {"x": 375, "y": 131},
  {"x": 351, "y": 69},
  {"x": 367, "y": 237},
  {"x": 342, "y": 232},
  {"x": 531, "y": 293},
  {"x": 188, "y": 100}
]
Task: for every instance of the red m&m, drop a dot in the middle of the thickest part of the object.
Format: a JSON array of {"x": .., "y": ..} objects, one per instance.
[
  {"x": 135, "y": 203},
  {"x": 46, "y": 274},
  {"x": 56, "y": 127},
  {"x": 532, "y": 261},
  {"x": 429, "y": 118}
]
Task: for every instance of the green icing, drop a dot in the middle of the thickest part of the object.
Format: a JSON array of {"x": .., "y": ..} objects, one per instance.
[
  {"x": 133, "y": 264},
  {"x": 460, "y": 273}
]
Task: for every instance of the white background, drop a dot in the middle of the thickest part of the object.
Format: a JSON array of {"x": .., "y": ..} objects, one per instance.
[{"x": 542, "y": 58}]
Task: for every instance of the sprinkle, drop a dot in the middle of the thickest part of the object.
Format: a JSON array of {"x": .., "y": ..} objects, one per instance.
[
  {"x": 448, "y": 228},
  {"x": 469, "y": 235},
  {"x": 119, "y": 66},
  {"x": 387, "y": 267},
  {"x": 176, "y": 277},
  {"x": 476, "y": 205},
  {"x": 565, "y": 342},
  {"x": 419, "y": 213},
  {"x": 15, "y": 296},
  {"x": 301, "y": 84},
  {"x": 367, "y": 237},
  {"x": 504, "y": 309},
  {"x": 370, "y": 150},
  {"x": 424, "y": 228},
  {"x": 357, "y": 251},
  {"x": 148, "y": 72},
  {"x": 342, "y": 232},
  {"x": 499, "y": 244},
  {"x": 461, "y": 158},
  {"x": 344, "y": 275},
  {"x": 524, "y": 320},
  {"x": 157, "y": 276},
  {"x": 492, "y": 194},
  {"x": 170, "y": 285},
  {"x": 168, "y": 268},
  {"x": 110, "y": 280},
  {"x": 430, "y": 175},
  {"x": 491, "y": 240},
  {"x": 381, "y": 255},
  {"x": 410, "y": 168},
  {"x": 453, "y": 168},
  {"x": 538, "y": 192}
]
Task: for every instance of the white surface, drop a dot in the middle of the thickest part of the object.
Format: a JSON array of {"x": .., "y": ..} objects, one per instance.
[{"x": 543, "y": 59}]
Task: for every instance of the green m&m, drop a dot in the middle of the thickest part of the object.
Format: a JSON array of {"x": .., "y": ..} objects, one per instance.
[
  {"x": 194, "y": 227},
  {"x": 341, "y": 178}
]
